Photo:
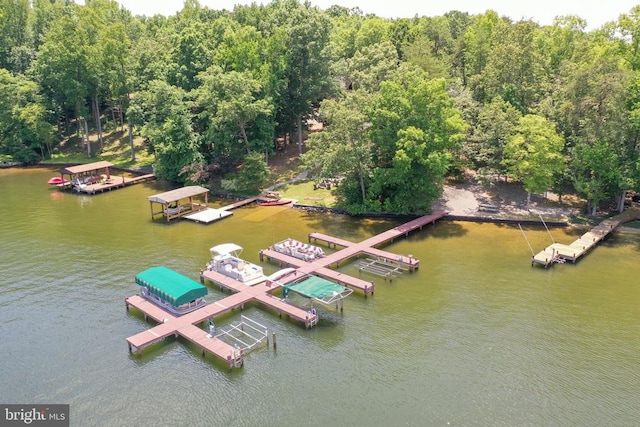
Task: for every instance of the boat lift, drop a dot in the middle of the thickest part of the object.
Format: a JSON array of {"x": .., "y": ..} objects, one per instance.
[
  {"x": 386, "y": 268},
  {"x": 246, "y": 335}
]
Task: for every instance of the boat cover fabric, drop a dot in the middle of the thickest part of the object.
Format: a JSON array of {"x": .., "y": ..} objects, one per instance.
[
  {"x": 225, "y": 249},
  {"x": 170, "y": 285},
  {"x": 316, "y": 287}
]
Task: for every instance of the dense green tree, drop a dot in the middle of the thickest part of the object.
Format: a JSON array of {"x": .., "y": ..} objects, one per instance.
[
  {"x": 478, "y": 42},
  {"x": 192, "y": 54},
  {"x": 513, "y": 67},
  {"x": 596, "y": 172},
  {"x": 416, "y": 129},
  {"x": 25, "y": 132},
  {"x": 370, "y": 66},
  {"x": 16, "y": 51},
  {"x": 629, "y": 27},
  {"x": 307, "y": 61},
  {"x": 343, "y": 149},
  {"x": 164, "y": 119},
  {"x": 495, "y": 123},
  {"x": 232, "y": 105},
  {"x": 533, "y": 154}
]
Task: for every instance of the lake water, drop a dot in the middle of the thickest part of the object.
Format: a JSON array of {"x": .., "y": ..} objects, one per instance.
[{"x": 475, "y": 337}]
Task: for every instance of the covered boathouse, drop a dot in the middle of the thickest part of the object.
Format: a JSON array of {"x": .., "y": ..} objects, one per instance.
[
  {"x": 179, "y": 202},
  {"x": 91, "y": 178},
  {"x": 171, "y": 290}
]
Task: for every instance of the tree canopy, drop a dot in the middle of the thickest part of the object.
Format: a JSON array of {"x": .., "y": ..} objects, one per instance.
[{"x": 405, "y": 102}]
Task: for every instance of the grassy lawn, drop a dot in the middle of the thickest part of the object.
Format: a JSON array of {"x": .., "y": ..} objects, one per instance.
[
  {"x": 304, "y": 193},
  {"x": 116, "y": 149}
]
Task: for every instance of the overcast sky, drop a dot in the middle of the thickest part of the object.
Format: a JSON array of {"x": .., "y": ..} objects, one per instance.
[{"x": 596, "y": 12}]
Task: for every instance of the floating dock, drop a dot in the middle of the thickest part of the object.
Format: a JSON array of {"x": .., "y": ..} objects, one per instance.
[
  {"x": 560, "y": 253},
  {"x": 208, "y": 215}
]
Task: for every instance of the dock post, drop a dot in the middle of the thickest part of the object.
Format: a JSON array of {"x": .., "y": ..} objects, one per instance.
[
  {"x": 129, "y": 345},
  {"x": 275, "y": 345}
]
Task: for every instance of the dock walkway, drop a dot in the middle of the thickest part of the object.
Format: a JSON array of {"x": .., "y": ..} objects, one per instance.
[
  {"x": 560, "y": 253},
  {"x": 320, "y": 266},
  {"x": 183, "y": 326},
  {"x": 208, "y": 214},
  {"x": 369, "y": 246},
  {"x": 262, "y": 293}
]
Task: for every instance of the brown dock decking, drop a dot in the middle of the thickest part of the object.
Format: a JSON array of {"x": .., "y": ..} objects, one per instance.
[
  {"x": 317, "y": 268},
  {"x": 86, "y": 178},
  {"x": 320, "y": 266},
  {"x": 190, "y": 202},
  {"x": 183, "y": 326},
  {"x": 561, "y": 253},
  {"x": 262, "y": 293},
  {"x": 369, "y": 246}
]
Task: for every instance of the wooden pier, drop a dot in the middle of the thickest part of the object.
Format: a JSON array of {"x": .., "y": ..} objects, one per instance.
[
  {"x": 92, "y": 178},
  {"x": 185, "y": 326},
  {"x": 320, "y": 266},
  {"x": 369, "y": 246},
  {"x": 190, "y": 202},
  {"x": 560, "y": 253}
]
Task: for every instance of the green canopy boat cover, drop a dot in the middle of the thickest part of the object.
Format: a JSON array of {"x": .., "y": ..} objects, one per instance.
[
  {"x": 170, "y": 285},
  {"x": 318, "y": 288}
]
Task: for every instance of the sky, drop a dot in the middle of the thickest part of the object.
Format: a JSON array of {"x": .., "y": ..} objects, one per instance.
[{"x": 595, "y": 12}]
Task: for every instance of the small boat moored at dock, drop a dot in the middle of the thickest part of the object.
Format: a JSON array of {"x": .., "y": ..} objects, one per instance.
[
  {"x": 298, "y": 249},
  {"x": 225, "y": 259},
  {"x": 171, "y": 290},
  {"x": 280, "y": 202},
  {"x": 57, "y": 180}
]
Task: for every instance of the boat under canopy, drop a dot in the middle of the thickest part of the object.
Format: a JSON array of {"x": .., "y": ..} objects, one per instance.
[
  {"x": 178, "y": 194},
  {"x": 171, "y": 286},
  {"x": 226, "y": 249},
  {"x": 319, "y": 289}
]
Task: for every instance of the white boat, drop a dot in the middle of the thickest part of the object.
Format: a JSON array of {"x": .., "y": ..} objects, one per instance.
[
  {"x": 225, "y": 259},
  {"x": 298, "y": 249}
]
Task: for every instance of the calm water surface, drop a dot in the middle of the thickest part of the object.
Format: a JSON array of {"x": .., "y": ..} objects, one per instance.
[{"x": 475, "y": 337}]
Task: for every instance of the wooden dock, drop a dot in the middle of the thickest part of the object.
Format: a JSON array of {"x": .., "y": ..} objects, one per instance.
[
  {"x": 560, "y": 253},
  {"x": 320, "y": 266},
  {"x": 317, "y": 268},
  {"x": 185, "y": 326},
  {"x": 369, "y": 246},
  {"x": 115, "y": 181},
  {"x": 261, "y": 293},
  {"x": 208, "y": 214}
]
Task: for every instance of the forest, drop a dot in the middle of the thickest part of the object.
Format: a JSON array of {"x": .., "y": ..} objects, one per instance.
[{"x": 404, "y": 103}]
